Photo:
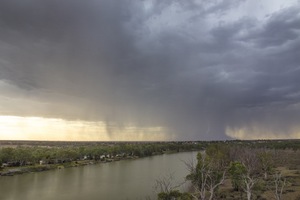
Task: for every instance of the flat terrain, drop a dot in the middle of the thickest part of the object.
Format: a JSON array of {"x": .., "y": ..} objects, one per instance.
[{"x": 287, "y": 162}]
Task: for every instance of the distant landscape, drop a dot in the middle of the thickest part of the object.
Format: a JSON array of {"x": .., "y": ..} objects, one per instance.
[{"x": 254, "y": 169}]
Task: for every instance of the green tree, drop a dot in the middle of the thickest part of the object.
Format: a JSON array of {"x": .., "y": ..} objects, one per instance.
[
  {"x": 7, "y": 154},
  {"x": 23, "y": 155},
  {"x": 209, "y": 172},
  {"x": 237, "y": 170}
]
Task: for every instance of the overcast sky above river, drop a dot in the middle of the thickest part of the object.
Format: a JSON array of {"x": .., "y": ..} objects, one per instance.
[{"x": 149, "y": 70}]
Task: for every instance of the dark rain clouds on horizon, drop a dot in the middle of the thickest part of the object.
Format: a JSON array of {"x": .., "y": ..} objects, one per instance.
[{"x": 197, "y": 69}]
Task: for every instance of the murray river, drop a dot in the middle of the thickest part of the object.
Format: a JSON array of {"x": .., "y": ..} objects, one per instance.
[{"x": 126, "y": 179}]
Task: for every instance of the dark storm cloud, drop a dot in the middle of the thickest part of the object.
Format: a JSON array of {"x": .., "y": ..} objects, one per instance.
[
  {"x": 187, "y": 66},
  {"x": 281, "y": 28}
]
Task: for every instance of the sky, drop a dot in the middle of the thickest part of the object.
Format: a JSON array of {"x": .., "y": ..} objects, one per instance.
[{"x": 149, "y": 70}]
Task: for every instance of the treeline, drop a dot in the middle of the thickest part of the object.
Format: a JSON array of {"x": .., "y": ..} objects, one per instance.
[
  {"x": 277, "y": 144},
  {"x": 31, "y": 155},
  {"x": 293, "y": 144}
]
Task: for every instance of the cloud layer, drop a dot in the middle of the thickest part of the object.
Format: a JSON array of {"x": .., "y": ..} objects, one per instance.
[{"x": 199, "y": 69}]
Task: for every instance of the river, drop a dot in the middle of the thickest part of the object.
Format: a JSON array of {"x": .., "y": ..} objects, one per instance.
[{"x": 126, "y": 179}]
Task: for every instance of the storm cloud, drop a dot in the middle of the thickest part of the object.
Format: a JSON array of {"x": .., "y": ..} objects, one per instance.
[{"x": 200, "y": 70}]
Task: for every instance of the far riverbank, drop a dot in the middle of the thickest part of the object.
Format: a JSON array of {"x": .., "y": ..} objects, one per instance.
[
  {"x": 11, "y": 171},
  {"x": 16, "y": 160}
]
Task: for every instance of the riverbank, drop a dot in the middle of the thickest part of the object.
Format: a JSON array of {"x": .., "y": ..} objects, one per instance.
[
  {"x": 11, "y": 171},
  {"x": 126, "y": 179},
  {"x": 25, "y": 157}
]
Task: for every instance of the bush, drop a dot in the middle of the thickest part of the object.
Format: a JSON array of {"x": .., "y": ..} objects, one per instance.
[{"x": 174, "y": 195}]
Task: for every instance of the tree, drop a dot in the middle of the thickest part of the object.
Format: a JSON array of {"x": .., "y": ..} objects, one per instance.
[
  {"x": 168, "y": 191},
  {"x": 279, "y": 183},
  {"x": 198, "y": 176},
  {"x": 245, "y": 170},
  {"x": 7, "y": 154},
  {"x": 209, "y": 172},
  {"x": 23, "y": 155},
  {"x": 266, "y": 162},
  {"x": 249, "y": 182},
  {"x": 236, "y": 171},
  {"x": 241, "y": 178}
]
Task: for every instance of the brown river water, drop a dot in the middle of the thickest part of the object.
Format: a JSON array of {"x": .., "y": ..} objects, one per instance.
[{"x": 126, "y": 179}]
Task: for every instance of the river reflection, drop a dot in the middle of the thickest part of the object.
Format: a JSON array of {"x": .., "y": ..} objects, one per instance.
[{"x": 127, "y": 179}]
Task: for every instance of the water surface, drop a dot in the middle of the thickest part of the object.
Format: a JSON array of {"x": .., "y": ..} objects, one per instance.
[{"x": 127, "y": 179}]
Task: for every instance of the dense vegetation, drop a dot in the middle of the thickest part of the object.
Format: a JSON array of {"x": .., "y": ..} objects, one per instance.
[{"x": 23, "y": 155}]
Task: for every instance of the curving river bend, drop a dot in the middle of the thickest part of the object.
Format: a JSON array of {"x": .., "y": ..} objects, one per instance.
[{"x": 126, "y": 179}]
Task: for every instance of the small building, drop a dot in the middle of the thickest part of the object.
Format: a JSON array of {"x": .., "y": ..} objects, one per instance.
[{"x": 42, "y": 162}]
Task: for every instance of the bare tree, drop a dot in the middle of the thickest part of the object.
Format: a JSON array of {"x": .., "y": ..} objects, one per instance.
[
  {"x": 208, "y": 174},
  {"x": 266, "y": 161},
  {"x": 198, "y": 176},
  {"x": 166, "y": 184},
  {"x": 248, "y": 158},
  {"x": 249, "y": 183},
  {"x": 279, "y": 183},
  {"x": 168, "y": 191},
  {"x": 214, "y": 183}
]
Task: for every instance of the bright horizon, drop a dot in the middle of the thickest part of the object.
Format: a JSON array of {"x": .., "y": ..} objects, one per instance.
[{"x": 54, "y": 129}]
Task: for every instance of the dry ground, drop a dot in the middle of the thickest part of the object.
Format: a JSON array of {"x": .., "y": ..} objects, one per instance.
[{"x": 288, "y": 163}]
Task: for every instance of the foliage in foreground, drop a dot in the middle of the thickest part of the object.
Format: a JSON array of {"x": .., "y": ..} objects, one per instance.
[{"x": 250, "y": 169}]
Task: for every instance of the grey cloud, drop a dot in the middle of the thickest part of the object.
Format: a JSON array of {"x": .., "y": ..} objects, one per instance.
[
  {"x": 280, "y": 28},
  {"x": 116, "y": 62}
]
